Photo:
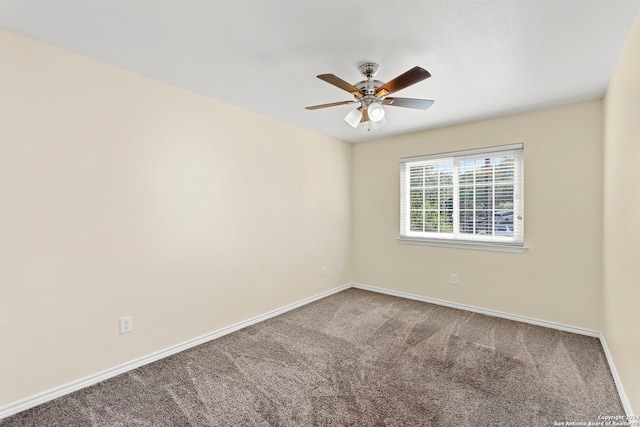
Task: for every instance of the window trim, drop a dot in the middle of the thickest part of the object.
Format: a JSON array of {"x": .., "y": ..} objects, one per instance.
[
  {"x": 455, "y": 241},
  {"x": 463, "y": 244}
]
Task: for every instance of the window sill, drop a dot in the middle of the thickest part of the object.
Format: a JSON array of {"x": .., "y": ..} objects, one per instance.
[{"x": 482, "y": 246}]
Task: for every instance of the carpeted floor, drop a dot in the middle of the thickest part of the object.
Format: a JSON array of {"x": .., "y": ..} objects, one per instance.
[{"x": 357, "y": 358}]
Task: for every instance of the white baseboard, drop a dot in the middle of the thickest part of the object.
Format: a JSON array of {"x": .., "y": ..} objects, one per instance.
[
  {"x": 40, "y": 398},
  {"x": 574, "y": 329},
  {"x": 494, "y": 313},
  {"x": 616, "y": 378}
]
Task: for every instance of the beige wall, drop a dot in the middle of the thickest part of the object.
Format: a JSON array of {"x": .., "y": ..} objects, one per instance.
[
  {"x": 621, "y": 288},
  {"x": 557, "y": 279},
  {"x": 120, "y": 195}
]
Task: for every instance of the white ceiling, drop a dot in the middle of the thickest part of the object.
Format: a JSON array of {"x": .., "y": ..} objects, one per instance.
[{"x": 487, "y": 58}]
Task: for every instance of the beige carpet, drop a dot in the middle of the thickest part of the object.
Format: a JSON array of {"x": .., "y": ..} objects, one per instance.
[{"x": 357, "y": 359}]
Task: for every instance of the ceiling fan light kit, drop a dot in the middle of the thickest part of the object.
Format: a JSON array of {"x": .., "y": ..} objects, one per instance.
[
  {"x": 354, "y": 117},
  {"x": 372, "y": 94},
  {"x": 376, "y": 112},
  {"x": 377, "y": 125}
]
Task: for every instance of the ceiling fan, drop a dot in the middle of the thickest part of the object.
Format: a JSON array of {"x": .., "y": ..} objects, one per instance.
[{"x": 372, "y": 94}]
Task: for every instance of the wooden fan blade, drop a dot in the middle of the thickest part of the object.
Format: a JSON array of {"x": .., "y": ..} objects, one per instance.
[
  {"x": 338, "y": 82},
  {"x": 413, "y": 76},
  {"x": 418, "y": 104},
  {"x": 365, "y": 115},
  {"x": 333, "y": 104}
]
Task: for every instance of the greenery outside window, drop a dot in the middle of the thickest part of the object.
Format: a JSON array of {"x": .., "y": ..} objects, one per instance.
[{"x": 471, "y": 198}]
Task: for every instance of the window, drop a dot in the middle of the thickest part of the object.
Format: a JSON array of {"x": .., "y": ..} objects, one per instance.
[{"x": 470, "y": 198}]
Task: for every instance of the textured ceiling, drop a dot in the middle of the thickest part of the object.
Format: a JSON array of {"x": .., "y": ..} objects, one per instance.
[{"x": 487, "y": 58}]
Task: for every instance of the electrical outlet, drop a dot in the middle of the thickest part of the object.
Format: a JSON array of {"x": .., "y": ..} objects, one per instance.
[
  {"x": 323, "y": 271},
  {"x": 126, "y": 324},
  {"x": 339, "y": 268},
  {"x": 454, "y": 279}
]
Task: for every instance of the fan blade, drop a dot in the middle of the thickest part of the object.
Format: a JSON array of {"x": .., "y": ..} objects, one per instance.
[
  {"x": 338, "y": 82},
  {"x": 413, "y": 76},
  {"x": 418, "y": 104},
  {"x": 365, "y": 115},
  {"x": 333, "y": 104}
]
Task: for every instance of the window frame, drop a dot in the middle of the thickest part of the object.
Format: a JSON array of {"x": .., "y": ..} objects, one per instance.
[{"x": 456, "y": 238}]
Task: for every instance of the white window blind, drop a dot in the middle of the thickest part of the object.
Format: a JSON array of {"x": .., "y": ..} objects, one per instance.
[{"x": 472, "y": 196}]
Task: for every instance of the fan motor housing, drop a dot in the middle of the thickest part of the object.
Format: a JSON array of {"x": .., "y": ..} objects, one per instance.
[{"x": 368, "y": 87}]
